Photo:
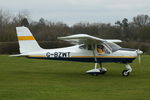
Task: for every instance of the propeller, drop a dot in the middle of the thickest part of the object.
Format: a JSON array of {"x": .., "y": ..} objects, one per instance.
[{"x": 139, "y": 52}]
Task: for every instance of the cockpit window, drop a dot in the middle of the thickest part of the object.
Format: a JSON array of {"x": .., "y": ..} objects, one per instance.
[
  {"x": 103, "y": 48},
  {"x": 113, "y": 46}
]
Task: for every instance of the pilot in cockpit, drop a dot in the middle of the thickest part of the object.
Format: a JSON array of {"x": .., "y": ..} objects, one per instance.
[{"x": 100, "y": 49}]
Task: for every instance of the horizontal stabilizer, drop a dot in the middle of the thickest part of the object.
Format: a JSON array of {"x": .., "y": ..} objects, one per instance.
[{"x": 18, "y": 55}]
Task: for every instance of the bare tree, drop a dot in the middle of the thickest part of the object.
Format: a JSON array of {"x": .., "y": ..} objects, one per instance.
[{"x": 141, "y": 20}]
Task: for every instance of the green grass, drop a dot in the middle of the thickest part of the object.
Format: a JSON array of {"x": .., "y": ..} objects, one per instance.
[{"x": 30, "y": 79}]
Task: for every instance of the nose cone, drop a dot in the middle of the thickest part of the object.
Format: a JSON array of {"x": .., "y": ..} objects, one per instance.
[{"x": 139, "y": 52}]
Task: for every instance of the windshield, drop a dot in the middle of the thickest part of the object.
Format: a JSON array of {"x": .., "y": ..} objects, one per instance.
[{"x": 113, "y": 46}]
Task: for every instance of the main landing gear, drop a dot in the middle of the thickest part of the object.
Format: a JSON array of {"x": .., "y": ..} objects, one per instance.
[
  {"x": 127, "y": 71},
  {"x": 97, "y": 71}
]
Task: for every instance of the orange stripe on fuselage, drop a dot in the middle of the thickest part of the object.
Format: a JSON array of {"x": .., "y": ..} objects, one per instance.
[
  {"x": 26, "y": 38},
  {"x": 91, "y": 56},
  {"x": 104, "y": 56}
]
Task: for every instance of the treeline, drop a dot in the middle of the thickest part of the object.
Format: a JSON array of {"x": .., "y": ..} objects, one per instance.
[{"x": 135, "y": 34}]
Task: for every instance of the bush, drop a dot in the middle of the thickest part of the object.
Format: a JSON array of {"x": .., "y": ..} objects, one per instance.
[
  {"x": 13, "y": 47},
  {"x": 9, "y": 48}
]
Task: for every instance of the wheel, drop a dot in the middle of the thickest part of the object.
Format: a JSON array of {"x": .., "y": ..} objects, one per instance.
[
  {"x": 94, "y": 74},
  {"x": 103, "y": 71},
  {"x": 125, "y": 73}
]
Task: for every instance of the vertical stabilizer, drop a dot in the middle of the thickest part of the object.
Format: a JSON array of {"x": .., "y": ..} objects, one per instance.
[{"x": 27, "y": 42}]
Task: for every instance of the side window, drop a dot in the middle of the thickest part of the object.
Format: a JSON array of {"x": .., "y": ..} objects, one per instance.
[
  {"x": 89, "y": 47},
  {"x": 82, "y": 47}
]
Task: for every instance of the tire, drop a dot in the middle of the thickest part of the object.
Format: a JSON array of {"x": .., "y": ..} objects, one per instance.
[
  {"x": 103, "y": 71},
  {"x": 125, "y": 73},
  {"x": 95, "y": 74}
]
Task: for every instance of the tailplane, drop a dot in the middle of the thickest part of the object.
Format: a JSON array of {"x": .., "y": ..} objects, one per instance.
[{"x": 27, "y": 42}]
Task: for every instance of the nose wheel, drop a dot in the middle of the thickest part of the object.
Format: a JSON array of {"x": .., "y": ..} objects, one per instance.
[{"x": 127, "y": 71}]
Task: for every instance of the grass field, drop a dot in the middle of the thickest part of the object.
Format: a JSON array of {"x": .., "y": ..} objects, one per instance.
[{"x": 29, "y": 79}]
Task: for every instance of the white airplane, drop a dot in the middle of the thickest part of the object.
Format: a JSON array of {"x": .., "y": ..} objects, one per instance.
[{"x": 86, "y": 49}]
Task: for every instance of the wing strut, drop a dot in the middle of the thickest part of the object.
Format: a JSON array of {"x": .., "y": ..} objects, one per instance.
[{"x": 95, "y": 59}]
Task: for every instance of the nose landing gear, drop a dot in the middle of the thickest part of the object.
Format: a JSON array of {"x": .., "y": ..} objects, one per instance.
[{"x": 127, "y": 71}]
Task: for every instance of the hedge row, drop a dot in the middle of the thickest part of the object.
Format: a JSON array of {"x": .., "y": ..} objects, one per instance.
[{"x": 13, "y": 47}]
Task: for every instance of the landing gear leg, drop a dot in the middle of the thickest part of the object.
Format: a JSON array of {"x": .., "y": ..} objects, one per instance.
[
  {"x": 102, "y": 70},
  {"x": 95, "y": 66},
  {"x": 127, "y": 71}
]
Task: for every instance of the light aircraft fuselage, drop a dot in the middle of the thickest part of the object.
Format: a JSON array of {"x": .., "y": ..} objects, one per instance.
[{"x": 75, "y": 53}]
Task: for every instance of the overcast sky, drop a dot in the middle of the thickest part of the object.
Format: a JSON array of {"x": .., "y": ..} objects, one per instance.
[{"x": 74, "y": 11}]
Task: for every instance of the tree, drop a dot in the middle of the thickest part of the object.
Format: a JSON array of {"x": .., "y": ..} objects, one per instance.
[
  {"x": 125, "y": 23},
  {"x": 42, "y": 21},
  {"x": 124, "y": 29},
  {"x": 118, "y": 23},
  {"x": 141, "y": 20},
  {"x": 24, "y": 22}
]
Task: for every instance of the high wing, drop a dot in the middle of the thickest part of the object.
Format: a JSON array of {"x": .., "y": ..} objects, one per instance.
[{"x": 85, "y": 39}]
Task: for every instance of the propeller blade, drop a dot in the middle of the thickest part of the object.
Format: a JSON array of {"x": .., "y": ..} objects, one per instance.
[
  {"x": 139, "y": 52},
  {"x": 139, "y": 58}
]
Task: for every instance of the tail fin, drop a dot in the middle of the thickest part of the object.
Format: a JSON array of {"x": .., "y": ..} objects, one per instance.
[{"x": 27, "y": 42}]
